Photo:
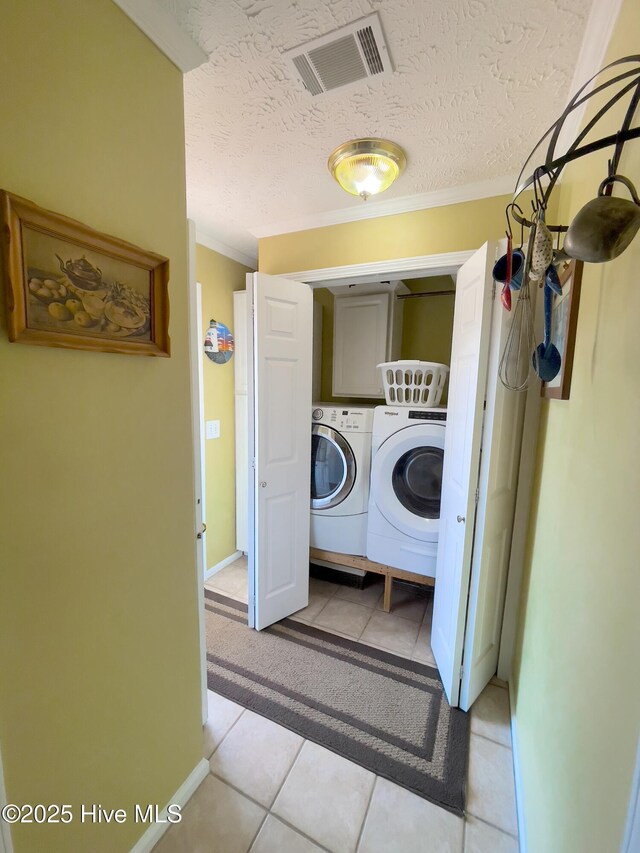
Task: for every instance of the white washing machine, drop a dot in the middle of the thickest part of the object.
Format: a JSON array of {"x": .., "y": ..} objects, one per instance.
[
  {"x": 340, "y": 467},
  {"x": 406, "y": 484}
]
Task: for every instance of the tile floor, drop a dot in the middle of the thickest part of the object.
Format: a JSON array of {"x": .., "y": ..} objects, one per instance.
[
  {"x": 354, "y": 613},
  {"x": 271, "y": 791}
]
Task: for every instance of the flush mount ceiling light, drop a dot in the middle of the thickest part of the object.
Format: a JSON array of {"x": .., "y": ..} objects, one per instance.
[{"x": 365, "y": 167}]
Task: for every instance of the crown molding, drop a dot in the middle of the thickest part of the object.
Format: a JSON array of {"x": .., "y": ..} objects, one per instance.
[
  {"x": 603, "y": 16},
  {"x": 223, "y": 249},
  {"x": 165, "y": 32},
  {"x": 419, "y": 266},
  {"x": 374, "y": 209}
]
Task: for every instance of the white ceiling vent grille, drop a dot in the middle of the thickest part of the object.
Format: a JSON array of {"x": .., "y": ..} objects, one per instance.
[{"x": 343, "y": 57}]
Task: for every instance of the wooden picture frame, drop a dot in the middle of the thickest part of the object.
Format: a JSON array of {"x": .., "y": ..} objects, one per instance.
[
  {"x": 67, "y": 285},
  {"x": 564, "y": 323}
]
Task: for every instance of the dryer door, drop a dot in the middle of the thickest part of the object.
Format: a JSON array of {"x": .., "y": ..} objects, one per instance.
[
  {"x": 333, "y": 467},
  {"x": 406, "y": 480}
]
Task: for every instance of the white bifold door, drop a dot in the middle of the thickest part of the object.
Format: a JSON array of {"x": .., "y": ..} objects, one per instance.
[
  {"x": 481, "y": 455},
  {"x": 280, "y": 313}
]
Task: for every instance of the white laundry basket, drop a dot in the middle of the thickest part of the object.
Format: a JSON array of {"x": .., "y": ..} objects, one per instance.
[{"x": 413, "y": 383}]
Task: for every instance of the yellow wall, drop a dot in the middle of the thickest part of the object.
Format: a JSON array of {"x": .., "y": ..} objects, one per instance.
[
  {"x": 577, "y": 696},
  {"x": 427, "y": 329},
  {"x": 324, "y": 297},
  {"x": 219, "y": 277},
  {"x": 452, "y": 228},
  {"x": 100, "y": 696}
]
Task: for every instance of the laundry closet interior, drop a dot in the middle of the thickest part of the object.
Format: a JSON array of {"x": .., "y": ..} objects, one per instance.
[{"x": 370, "y": 502}]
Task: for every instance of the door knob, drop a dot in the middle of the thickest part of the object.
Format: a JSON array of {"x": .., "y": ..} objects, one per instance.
[
  {"x": 263, "y": 484},
  {"x": 460, "y": 519}
]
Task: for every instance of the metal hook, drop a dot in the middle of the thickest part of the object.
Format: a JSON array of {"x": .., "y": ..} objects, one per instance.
[
  {"x": 521, "y": 212},
  {"x": 509, "y": 231},
  {"x": 538, "y": 189}
]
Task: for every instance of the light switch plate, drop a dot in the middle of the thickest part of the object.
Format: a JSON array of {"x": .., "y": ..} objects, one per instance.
[{"x": 212, "y": 429}]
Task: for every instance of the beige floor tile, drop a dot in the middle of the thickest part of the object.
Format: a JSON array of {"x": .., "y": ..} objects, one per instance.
[
  {"x": 216, "y": 818},
  {"x": 499, "y": 682},
  {"x": 309, "y": 613},
  {"x": 384, "y": 649},
  {"x": 481, "y": 838},
  {"x": 343, "y": 616},
  {"x": 407, "y": 603},
  {"x": 277, "y": 837},
  {"x": 231, "y": 581},
  {"x": 326, "y": 797},
  {"x": 491, "y": 791},
  {"x": 422, "y": 650},
  {"x": 490, "y": 715},
  {"x": 367, "y": 597},
  {"x": 322, "y": 587},
  {"x": 399, "y": 820},
  {"x": 422, "y": 653},
  {"x": 391, "y": 632},
  {"x": 223, "y": 713},
  {"x": 256, "y": 756}
]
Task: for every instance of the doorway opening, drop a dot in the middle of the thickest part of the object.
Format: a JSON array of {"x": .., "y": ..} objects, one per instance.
[{"x": 336, "y": 590}]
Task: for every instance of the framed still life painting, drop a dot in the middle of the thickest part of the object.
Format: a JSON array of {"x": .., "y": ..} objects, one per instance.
[
  {"x": 564, "y": 322},
  {"x": 69, "y": 286}
]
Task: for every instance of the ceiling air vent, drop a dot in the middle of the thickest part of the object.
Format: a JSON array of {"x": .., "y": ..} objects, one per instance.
[{"x": 343, "y": 57}]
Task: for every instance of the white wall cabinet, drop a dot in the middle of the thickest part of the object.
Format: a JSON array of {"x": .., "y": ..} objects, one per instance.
[{"x": 367, "y": 330}]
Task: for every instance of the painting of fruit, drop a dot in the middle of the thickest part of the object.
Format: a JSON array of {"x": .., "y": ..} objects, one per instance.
[
  {"x": 70, "y": 286},
  {"x": 86, "y": 294}
]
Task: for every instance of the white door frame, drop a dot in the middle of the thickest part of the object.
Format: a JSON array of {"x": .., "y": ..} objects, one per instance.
[
  {"x": 631, "y": 841},
  {"x": 6, "y": 842},
  {"x": 197, "y": 415},
  {"x": 448, "y": 264}
]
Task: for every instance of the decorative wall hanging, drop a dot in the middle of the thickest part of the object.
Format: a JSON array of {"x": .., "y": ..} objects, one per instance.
[
  {"x": 599, "y": 232},
  {"x": 69, "y": 286},
  {"x": 218, "y": 342}
]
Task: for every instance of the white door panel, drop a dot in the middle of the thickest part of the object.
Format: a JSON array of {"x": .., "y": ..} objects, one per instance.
[
  {"x": 467, "y": 382},
  {"x": 498, "y": 483},
  {"x": 279, "y": 403}
]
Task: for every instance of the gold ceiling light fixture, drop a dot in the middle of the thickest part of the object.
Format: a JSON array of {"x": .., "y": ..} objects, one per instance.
[{"x": 366, "y": 167}]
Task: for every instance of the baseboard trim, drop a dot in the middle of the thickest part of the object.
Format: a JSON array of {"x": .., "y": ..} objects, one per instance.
[
  {"x": 155, "y": 832},
  {"x": 517, "y": 775},
  {"x": 222, "y": 564}
]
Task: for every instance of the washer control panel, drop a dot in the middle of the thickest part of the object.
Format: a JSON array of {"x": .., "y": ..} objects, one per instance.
[
  {"x": 341, "y": 419},
  {"x": 417, "y": 415}
]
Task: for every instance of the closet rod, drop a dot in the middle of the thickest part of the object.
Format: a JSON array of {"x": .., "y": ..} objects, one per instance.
[{"x": 427, "y": 293}]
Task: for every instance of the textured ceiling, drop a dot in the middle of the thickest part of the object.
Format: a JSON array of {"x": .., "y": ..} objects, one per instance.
[{"x": 476, "y": 82}]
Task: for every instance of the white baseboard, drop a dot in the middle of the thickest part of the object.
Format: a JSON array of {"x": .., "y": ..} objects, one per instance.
[
  {"x": 155, "y": 832},
  {"x": 517, "y": 775},
  {"x": 222, "y": 564}
]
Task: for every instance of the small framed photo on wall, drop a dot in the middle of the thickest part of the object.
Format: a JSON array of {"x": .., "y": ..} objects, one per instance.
[{"x": 564, "y": 323}]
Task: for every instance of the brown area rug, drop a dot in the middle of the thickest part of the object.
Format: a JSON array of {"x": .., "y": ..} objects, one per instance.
[{"x": 384, "y": 712}]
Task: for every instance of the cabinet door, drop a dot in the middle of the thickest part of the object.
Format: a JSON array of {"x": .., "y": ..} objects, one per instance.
[
  {"x": 240, "y": 337},
  {"x": 359, "y": 344}
]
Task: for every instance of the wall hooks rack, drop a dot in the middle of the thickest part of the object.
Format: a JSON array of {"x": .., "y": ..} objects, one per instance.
[{"x": 625, "y": 83}]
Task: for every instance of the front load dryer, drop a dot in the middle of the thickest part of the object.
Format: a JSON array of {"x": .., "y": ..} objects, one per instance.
[
  {"x": 340, "y": 466},
  {"x": 406, "y": 484}
]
